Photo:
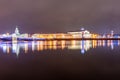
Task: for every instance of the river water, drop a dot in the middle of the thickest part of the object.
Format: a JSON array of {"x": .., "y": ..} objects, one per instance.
[{"x": 60, "y": 59}]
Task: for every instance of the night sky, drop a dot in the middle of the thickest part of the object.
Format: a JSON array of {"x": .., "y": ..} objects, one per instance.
[{"x": 50, "y": 16}]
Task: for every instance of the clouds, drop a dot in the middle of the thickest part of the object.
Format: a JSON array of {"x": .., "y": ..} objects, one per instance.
[{"x": 59, "y": 15}]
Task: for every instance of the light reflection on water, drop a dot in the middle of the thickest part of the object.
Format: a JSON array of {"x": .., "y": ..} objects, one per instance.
[{"x": 83, "y": 45}]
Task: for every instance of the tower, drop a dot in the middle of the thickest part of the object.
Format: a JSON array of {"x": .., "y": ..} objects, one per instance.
[
  {"x": 112, "y": 33},
  {"x": 17, "y": 31},
  {"x": 82, "y": 30}
]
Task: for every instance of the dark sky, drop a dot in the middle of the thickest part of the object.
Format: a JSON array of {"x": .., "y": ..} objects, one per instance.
[{"x": 47, "y": 16}]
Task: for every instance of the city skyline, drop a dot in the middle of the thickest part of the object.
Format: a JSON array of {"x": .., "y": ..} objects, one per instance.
[{"x": 19, "y": 30}]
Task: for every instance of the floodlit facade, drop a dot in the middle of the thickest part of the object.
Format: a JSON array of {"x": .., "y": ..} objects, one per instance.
[
  {"x": 51, "y": 36},
  {"x": 81, "y": 34}
]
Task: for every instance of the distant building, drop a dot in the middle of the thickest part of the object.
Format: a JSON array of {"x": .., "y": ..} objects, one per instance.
[
  {"x": 116, "y": 35},
  {"x": 16, "y": 33},
  {"x": 112, "y": 33},
  {"x": 81, "y": 34}
]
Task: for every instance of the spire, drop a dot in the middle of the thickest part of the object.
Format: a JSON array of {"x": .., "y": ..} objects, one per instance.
[{"x": 17, "y": 30}]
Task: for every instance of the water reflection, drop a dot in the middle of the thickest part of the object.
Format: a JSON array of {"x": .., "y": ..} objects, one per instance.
[{"x": 83, "y": 45}]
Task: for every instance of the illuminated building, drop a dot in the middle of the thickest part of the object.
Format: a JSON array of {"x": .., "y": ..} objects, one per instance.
[
  {"x": 52, "y": 36},
  {"x": 116, "y": 35},
  {"x": 112, "y": 33},
  {"x": 17, "y": 31},
  {"x": 81, "y": 34}
]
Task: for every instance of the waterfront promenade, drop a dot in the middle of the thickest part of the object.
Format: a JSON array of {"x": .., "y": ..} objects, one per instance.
[{"x": 58, "y": 39}]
